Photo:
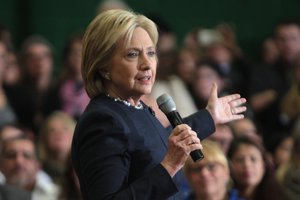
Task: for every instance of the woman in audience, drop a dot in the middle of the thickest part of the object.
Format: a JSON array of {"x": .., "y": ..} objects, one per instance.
[
  {"x": 251, "y": 172},
  {"x": 210, "y": 178},
  {"x": 68, "y": 94},
  {"x": 205, "y": 74},
  {"x": 55, "y": 143}
]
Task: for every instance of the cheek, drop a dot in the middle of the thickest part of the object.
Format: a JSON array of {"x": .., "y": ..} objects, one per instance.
[{"x": 236, "y": 171}]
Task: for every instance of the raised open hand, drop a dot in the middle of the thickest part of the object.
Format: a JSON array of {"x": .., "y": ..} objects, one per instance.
[{"x": 227, "y": 108}]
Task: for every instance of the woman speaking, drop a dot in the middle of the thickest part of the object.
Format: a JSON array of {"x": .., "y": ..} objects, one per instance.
[{"x": 120, "y": 149}]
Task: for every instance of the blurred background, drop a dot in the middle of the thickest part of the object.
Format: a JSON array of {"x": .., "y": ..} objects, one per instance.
[{"x": 253, "y": 20}]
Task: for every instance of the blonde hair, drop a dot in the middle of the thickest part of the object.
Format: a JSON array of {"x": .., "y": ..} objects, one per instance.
[
  {"x": 44, "y": 132},
  {"x": 212, "y": 153},
  {"x": 100, "y": 39}
]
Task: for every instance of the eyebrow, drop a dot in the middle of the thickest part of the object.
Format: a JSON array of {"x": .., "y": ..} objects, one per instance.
[{"x": 140, "y": 49}]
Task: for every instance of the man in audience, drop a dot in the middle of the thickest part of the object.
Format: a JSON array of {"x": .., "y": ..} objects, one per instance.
[{"x": 20, "y": 166}]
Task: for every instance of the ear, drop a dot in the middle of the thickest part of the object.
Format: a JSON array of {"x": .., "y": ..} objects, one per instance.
[{"x": 105, "y": 74}]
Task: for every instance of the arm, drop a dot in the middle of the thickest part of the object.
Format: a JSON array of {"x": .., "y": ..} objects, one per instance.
[{"x": 104, "y": 164}]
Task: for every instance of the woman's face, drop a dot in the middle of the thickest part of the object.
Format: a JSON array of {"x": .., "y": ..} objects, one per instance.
[
  {"x": 59, "y": 136},
  {"x": 132, "y": 70},
  {"x": 247, "y": 166},
  {"x": 204, "y": 79},
  {"x": 208, "y": 178},
  {"x": 74, "y": 57}
]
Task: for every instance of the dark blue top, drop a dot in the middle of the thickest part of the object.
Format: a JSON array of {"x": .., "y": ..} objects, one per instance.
[
  {"x": 232, "y": 195},
  {"x": 117, "y": 150}
]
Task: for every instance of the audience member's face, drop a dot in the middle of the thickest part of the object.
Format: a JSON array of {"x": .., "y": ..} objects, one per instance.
[
  {"x": 245, "y": 127},
  {"x": 132, "y": 70},
  {"x": 12, "y": 72},
  {"x": 283, "y": 152},
  {"x": 167, "y": 42},
  {"x": 208, "y": 178},
  {"x": 3, "y": 58},
  {"x": 219, "y": 54},
  {"x": 247, "y": 166},
  {"x": 270, "y": 51},
  {"x": 39, "y": 60},
  {"x": 186, "y": 65},
  {"x": 223, "y": 137},
  {"x": 9, "y": 132},
  {"x": 19, "y": 163},
  {"x": 288, "y": 40},
  {"x": 74, "y": 57},
  {"x": 60, "y": 136},
  {"x": 204, "y": 79}
]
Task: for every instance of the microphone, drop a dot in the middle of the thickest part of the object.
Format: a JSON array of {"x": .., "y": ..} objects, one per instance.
[{"x": 167, "y": 105}]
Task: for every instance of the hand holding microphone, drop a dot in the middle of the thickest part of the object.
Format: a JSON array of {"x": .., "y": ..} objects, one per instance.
[{"x": 167, "y": 105}]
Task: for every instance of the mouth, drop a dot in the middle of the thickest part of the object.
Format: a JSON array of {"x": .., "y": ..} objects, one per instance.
[{"x": 144, "y": 78}]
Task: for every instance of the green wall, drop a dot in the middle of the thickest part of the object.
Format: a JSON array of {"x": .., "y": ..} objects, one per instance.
[{"x": 56, "y": 19}]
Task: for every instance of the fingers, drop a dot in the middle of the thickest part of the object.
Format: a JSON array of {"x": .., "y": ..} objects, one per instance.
[
  {"x": 184, "y": 135},
  {"x": 237, "y": 110},
  {"x": 214, "y": 91}
]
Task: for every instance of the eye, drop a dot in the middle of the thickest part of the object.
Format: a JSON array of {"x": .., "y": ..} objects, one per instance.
[
  {"x": 152, "y": 53},
  {"x": 132, "y": 54}
]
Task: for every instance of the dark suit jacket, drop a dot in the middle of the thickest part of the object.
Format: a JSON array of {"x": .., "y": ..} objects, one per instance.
[
  {"x": 117, "y": 150},
  {"x": 11, "y": 193}
]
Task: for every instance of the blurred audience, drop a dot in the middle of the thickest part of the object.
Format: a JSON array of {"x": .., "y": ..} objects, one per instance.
[
  {"x": 7, "y": 114},
  {"x": 36, "y": 65},
  {"x": 222, "y": 136},
  {"x": 209, "y": 178},
  {"x": 205, "y": 74},
  {"x": 289, "y": 173},
  {"x": 290, "y": 104},
  {"x": 246, "y": 127},
  {"x": 70, "y": 184},
  {"x": 55, "y": 143},
  {"x": 20, "y": 166},
  {"x": 68, "y": 93},
  {"x": 251, "y": 171},
  {"x": 280, "y": 149},
  {"x": 270, "y": 84},
  {"x": 269, "y": 51}
]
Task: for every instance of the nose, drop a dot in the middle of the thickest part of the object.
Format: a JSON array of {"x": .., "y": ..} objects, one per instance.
[
  {"x": 19, "y": 159},
  {"x": 204, "y": 172},
  {"x": 144, "y": 61}
]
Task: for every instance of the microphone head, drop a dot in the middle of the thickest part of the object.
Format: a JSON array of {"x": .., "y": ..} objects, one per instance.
[{"x": 166, "y": 103}]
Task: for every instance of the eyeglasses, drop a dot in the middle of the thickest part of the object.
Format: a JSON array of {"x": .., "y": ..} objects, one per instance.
[{"x": 210, "y": 166}]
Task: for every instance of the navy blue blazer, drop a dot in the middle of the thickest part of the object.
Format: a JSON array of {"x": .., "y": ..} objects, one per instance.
[{"x": 117, "y": 150}]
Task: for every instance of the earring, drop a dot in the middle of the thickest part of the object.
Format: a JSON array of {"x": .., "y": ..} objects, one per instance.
[{"x": 107, "y": 76}]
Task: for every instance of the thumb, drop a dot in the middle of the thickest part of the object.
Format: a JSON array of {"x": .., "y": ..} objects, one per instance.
[{"x": 214, "y": 91}]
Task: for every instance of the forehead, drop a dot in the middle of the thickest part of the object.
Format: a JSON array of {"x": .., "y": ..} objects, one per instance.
[
  {"x": 139, "y": 37},
  {"x": 37, "y": 48},
  {"x": 19, "y": 145},
  {"x": 288, "y": 29},
  {"x": 248, "y": 149}
]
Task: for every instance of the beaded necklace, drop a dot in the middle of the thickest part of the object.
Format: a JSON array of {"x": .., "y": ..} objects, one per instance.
[{"x": 139, "y": 106}]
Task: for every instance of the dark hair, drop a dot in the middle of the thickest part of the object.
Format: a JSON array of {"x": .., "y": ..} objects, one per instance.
[
  {"x": 212, "y": 65},
  {"x": 69, "y": 187},
  {"x": 77, "y": 36},
  {"x": 286, "y": 22},
  {"x": 268, "y": 188}
]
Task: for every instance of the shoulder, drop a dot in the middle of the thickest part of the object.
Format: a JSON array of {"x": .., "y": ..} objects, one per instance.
[
  {"x": 102, "y": 110},
  {"x": 11, "y": 193}
]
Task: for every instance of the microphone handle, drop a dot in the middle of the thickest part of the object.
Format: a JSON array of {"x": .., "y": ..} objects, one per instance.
[{"x": 175, "y": 119}]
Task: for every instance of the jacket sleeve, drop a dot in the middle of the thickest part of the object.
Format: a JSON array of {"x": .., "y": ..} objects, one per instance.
[
  {"x": 202, "y": 123},
  {"x": 102, "y": 161}
]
